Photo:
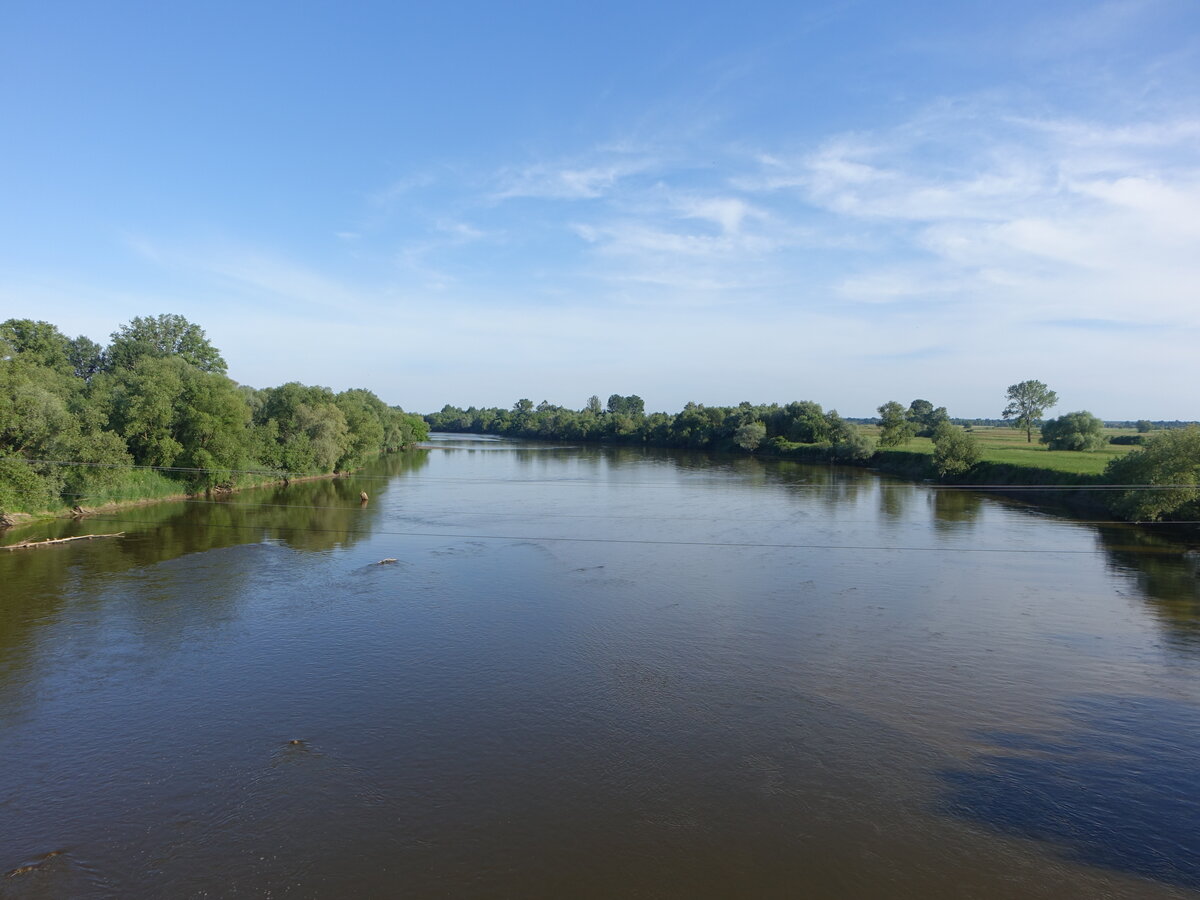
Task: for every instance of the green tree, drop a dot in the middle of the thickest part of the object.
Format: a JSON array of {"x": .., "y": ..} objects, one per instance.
[
  {"x": 954, "y": 450},
  {"x": 895, "y": 429},
  {"x": 1162, "y": 477},
  {"x": 365, "y": 414},
  {"x": 302, "y": 429},
  {"x": 39, "y": 343},
  {"x": 159, "y": 336},
  {"x": 925, "y": 418},
  {"x": 633, "y": 405},
  {"x": 172, "y": 414},
  {"x": 85, "y": 356},
  {"x": 45, "y": 420},
  {"x": 1027, "y": 403},
  {"x": 804, "y": 422},
  {"x": 750, "y": 435},
  {"x": 1144, "y": 426},
  {"x": 1074, "y": 431}
]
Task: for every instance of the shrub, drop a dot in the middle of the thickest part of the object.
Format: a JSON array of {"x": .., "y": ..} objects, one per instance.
[
  {"x": 954, "y": 451},
  {"x": 1168, "y": 465},
  {"x": 1074, "y": 431}
]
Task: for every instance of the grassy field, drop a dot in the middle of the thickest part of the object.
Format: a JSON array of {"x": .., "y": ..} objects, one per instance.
[{"x": 1007, "y": 446}]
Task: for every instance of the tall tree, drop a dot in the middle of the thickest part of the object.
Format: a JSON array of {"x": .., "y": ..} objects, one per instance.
[
  {"x": 39, "y": 343},
  {"x": 1027, "y": 403},
  {"x": 163, "y": 335},
  {"x": 895, "y": 429},
  {"x": 925, "y": 418}
]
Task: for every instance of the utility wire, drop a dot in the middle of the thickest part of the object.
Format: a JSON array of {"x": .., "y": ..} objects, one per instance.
[{"x": 293, "y": 476}]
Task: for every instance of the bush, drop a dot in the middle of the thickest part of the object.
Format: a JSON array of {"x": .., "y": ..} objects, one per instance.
[
  {"x": 1169, "y": 464},
  {"x": 954, "y": 451},
  {"x": 852, "y": 444},
  {"x": 1074, "y": 431},
  {"x": 1125, "y": 439}
]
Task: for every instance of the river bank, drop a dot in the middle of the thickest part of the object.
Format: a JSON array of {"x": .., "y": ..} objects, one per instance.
[{"x": 11, "y": 520}]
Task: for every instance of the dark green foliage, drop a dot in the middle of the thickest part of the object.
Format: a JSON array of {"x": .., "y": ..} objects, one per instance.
[
  {"x": 696, "y": 426},
  {"x": 159, "y": 336},
  {"x": 1027, "y": 403},
  {"x": 896, "y": 429},
  {"x": 1144, "y": 426},
  {"x": 172, "y": 414},
  {"x": 1074, "y": 431},
  {"x": 37, "y": 343},
  {"x": 924, "y": 418},
  {"x": 85, "y": 356},
  {"x": 633, "y": 405},
  {"x": 954, "y": 451},
  {"x": 1136, "y": 439},
  {"x": 1170, "y": 463},
  {"x": 71, "y": 424}
]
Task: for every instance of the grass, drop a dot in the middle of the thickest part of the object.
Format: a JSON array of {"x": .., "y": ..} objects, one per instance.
[
  {"x": 1008, "y": 447},
  {"x": 135, "y": 484}
]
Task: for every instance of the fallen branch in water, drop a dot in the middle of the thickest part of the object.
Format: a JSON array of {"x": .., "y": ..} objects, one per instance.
[{"x": 25, "y": 545}]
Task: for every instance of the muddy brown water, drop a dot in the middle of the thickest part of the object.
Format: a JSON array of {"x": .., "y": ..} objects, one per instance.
[{"x": 596, "y": 672}]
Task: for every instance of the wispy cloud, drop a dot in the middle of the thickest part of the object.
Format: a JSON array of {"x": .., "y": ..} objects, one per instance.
[{"x": 580, "y": 180}]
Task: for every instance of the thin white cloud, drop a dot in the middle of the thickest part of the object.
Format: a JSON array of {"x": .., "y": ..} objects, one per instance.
[{"x": 568, "y": 181}]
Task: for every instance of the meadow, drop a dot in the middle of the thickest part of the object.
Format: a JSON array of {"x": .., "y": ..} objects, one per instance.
[{"x": 1008, "y": 447}]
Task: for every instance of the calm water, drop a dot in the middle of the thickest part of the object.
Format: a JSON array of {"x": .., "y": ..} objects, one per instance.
[{"x": 599, "y": 672}]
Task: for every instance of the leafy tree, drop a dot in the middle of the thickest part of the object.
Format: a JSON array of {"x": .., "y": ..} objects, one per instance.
[
  {"x": 750, "y": 435},
  {"x": 1074, "y": 431},
  {"x": 925, "y": 418},
  {"x": 45, "y": 420},
  {"x": 364, "y": 413},
  {"x": 1144, "y": 426},
  {"x": 38, "y": 343},
  {"x": 172, "y": 414},
  {"x": 593, "y": 405},
  {"x": 159, "y": 336},
  {"x": 305, "y": 429},
  {"x": 804, "y": 422},
  {"x": 954, "y": 451},
  {"x": 1168, "y": 464},
  {"x": 633, "y": 405},
  {"x": 895, "y": 427},
  {"x": 85, "y": 356},
  {"x": 1027, "y": 403}
]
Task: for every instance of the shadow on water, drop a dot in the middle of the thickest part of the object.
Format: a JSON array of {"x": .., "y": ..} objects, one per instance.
[{"x": 1117, "y": 790}]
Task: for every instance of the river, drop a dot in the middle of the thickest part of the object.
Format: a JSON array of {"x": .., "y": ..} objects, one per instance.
[{"x": 599, "y": 672}]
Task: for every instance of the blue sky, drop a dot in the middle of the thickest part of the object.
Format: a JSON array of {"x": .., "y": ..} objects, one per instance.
[{"x": 469, "y": 203}]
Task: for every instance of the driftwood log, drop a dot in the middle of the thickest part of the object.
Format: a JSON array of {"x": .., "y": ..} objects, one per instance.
[{"x": 27, "y": 545}]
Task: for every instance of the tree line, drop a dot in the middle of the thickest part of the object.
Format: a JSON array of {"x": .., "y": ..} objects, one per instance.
[
  {"x": 1168, "y": 462},
  {"x": 76, "y": 416},
  {"x": 623, "y": 420}
]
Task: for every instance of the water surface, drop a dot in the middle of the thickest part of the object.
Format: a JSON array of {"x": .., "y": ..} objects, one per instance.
[{"x": 599, "y": 672}]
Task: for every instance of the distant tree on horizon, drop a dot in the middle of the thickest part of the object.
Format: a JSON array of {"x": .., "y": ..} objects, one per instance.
[{"x": 1027, "y": 403}]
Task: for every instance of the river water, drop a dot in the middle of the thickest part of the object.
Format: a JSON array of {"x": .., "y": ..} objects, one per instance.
[{"x": 599, "y": 672}]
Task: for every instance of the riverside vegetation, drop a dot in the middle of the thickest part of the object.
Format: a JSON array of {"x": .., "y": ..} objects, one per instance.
[
  {"x": 153, "y": 415},
  {"x": 1161, "y": 470}
]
